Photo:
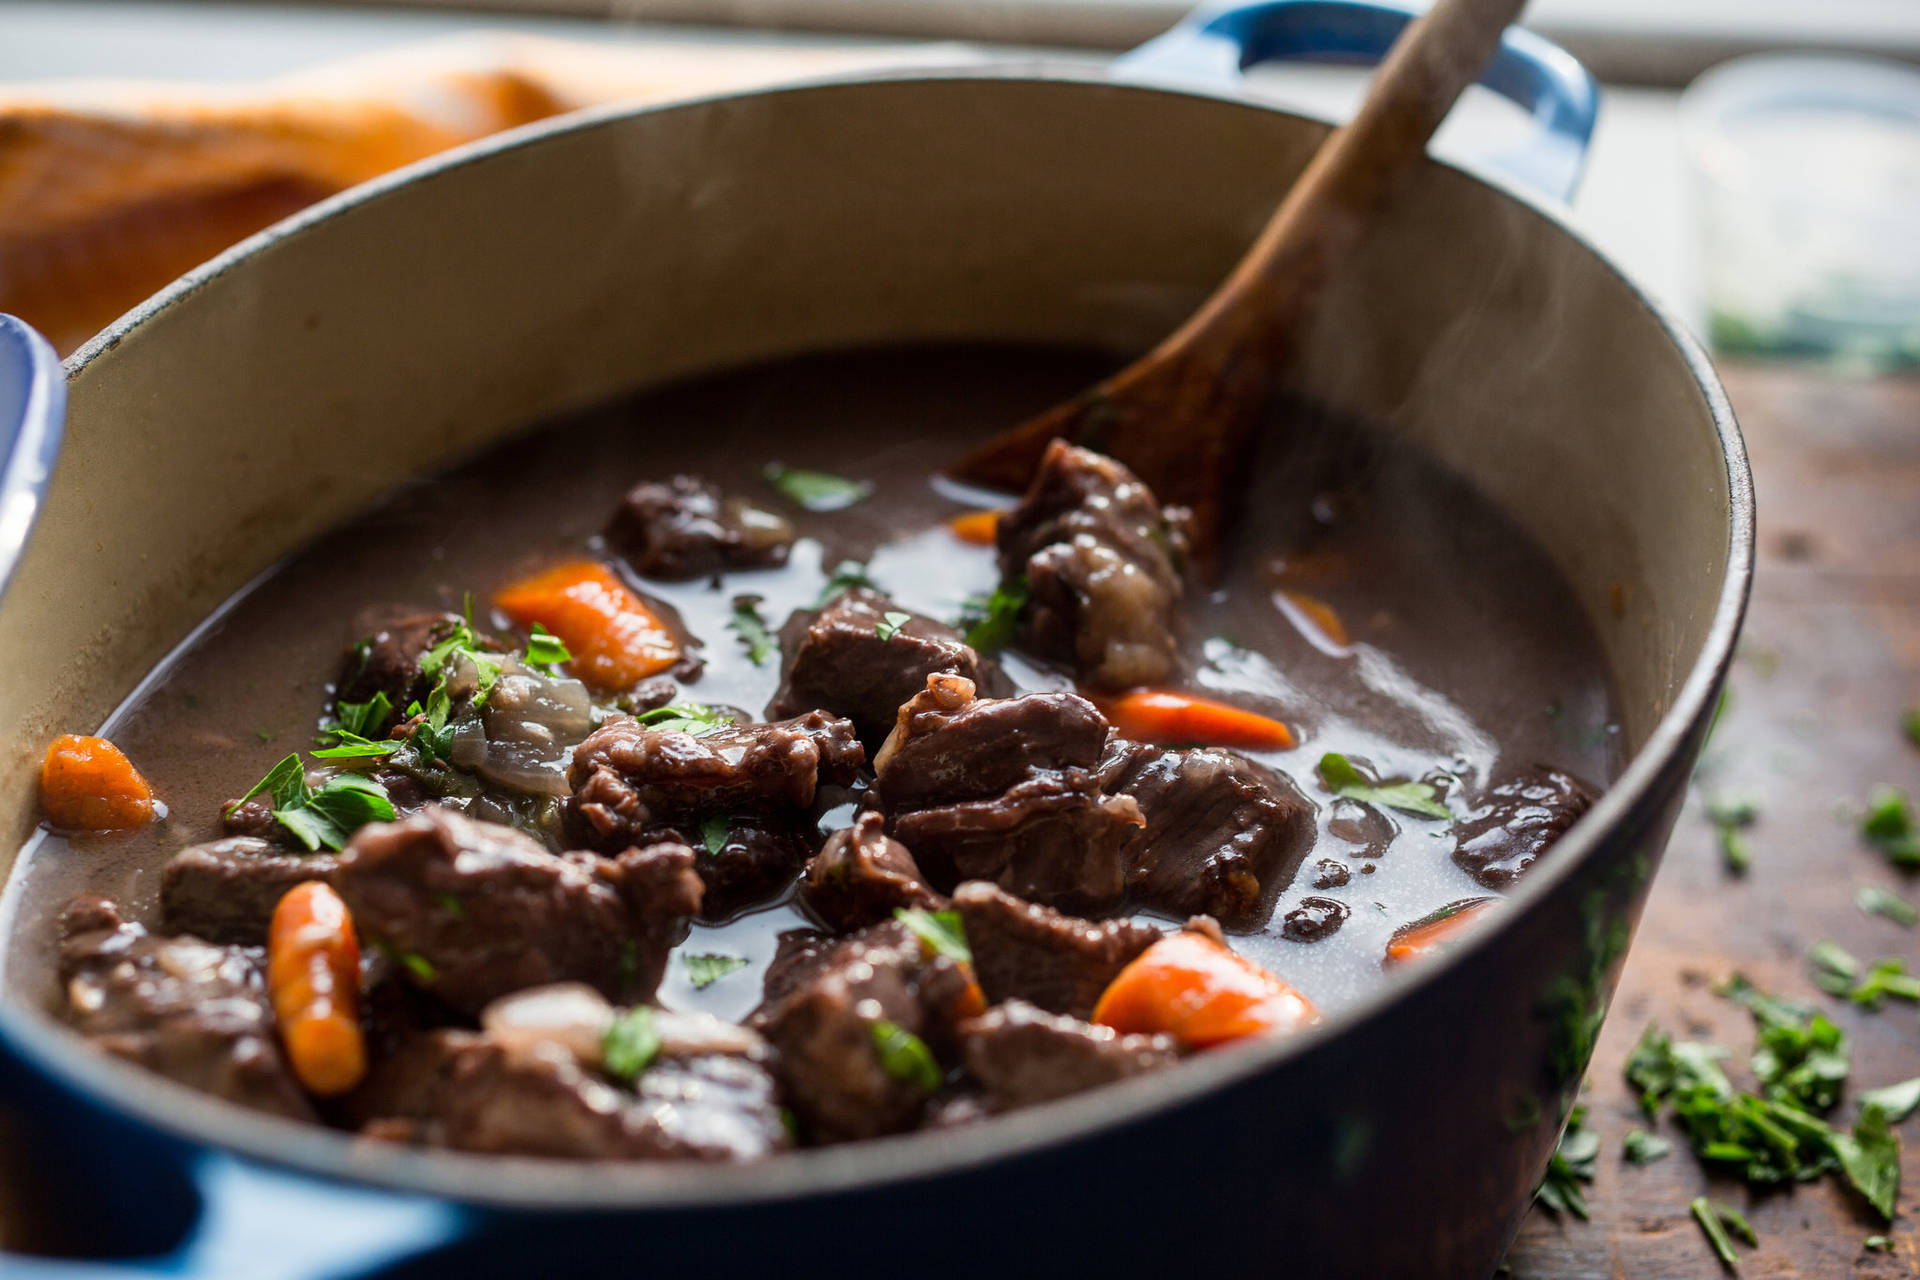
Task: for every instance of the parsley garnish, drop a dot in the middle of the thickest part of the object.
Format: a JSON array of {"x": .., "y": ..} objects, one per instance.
[
  {"x": 695, "y": 718},
  {"x": 1730, "y": 815},
  {"x": 1870, "y": 1157},
  {"x": 419, "y": 966},
  {"x": 816, "y": 490},
  {"x": 1714, "y": 1219},
  {"x": 631, "y": 1042},
  {"x": 1889, "y": 826},
  {"x": 1642, "y": 1147},
  {"x": 545, "y": 649},
  {"x": 1911, "y": 723},
  {"x": 1343, "y": 779},
  {"x": 362, "y": 719},
  {"x": 1838, "y": 974},
  {"x": 940, "y": 931},
  {"x": 1572, "y": 1164},
  {"x": 890, "y": 623},
  {"x": 1880, "y": 1244},
  {"x": 1887, "y": 904},
  {"x": 1898, "y": 1100},
  {"x": 747, "y": 624},
  {"x": 992, "y": 622},
  {"x": 351, "y": 746},
  {"x": 713, "y": 834},
  {"x": 847, "y": 576},
  {"x": 328, "y": 817},
  {"x": 705, "y": 970},
  {"x": 905, "y": 1056}
]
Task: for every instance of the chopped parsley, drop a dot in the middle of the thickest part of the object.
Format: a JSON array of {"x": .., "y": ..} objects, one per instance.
[
  {"x": 890, "y": 623},
  {"x": 1642, "y": 1147},
  {"x": 705, "y": 970},
  {"x": 1870, "y": 1157},
  {"x": 1572, "y": 1164},
  {"x": 351, "y": 746},
  {"x": 1343, "y": 779},
  {"x": 362, "y": 719},
  {"x": 418, "y": 965},
  {"x": 1887, "y": 904},
  {"x": 545, "y": 649},
  {"x": 991, "y": 622},
  {"x": 847, "y": 576},
  {"x": 713, "y": 834},
  {"x": 323, "y": 818},
  {"x": 1838, "y": 974},
  {"x": 630, "y": 1043},
  {"x": 461, "y": 644},
  {"x": 905, "y": 1056},
  {"x": 1880, "y": 1244},
  {"x": 1731, "y": 815},
  {"x": 1714, "y": 1219},
  {"x": 1911, "y": 724},
  {"x": 939, "y": 931},
  {"x": 695, "y": 718},
  {"x": 1834, "y": 969},
  {"x": 1898, "y": 1100},
  {"x": 1889, "y": 826},
  {"x": 751, "y": 628},
  {"x": 816, "y": 490}
]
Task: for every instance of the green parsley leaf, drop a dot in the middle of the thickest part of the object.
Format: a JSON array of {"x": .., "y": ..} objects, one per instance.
[
  {"x": 695, "y": 718},
  {"x": 905, "y": 1056},
  {"x": 816, "y": 490},
  {"x": 992, "y": 622},
  {"x": 1834, "y": 970},
  {"x": 714, "y": 832},
  {"x": 1641, "y": 1147},
  {"x": 1888, "y": 905},
  {"x": 1572, "y": 1164},
  {"x": 890, "y": 623},
  {"x": 705, "y": 970},
  {"x": 545, "y": 649},
  {"x": 1889, "y": 826},
  {"x": 351, "y": 746},
  {"x": 940, "y": 931},
  {"x": 1708, "y": 1215},
  {"x": 1343, "y": 779},
  {"x": 329, "y": 816},
  {"x": 1887, "y": 978},
  {"x": 631, "y": 1042},
  {"x": 1878, "y": 1243},
  {"x": 1898, "y": 1101},
  {"x": 362, "y": 719},
  {"x": 1911, "y": 723},
  {"x": 1870, "y": 1157},
  {"x": 1730, "y": 815},
  {"x": 418, "y": 965},
  {"x": 747, "y": 624},
  {"x": 285, "y": 784},
  {"x": 846, "y": 576}
]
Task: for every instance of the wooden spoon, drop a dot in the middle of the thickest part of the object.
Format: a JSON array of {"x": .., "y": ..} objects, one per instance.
[{"x": 1182, "y": 416}]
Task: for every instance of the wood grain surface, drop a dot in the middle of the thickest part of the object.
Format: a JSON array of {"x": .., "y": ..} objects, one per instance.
[{"x": 1829, "y": 659}]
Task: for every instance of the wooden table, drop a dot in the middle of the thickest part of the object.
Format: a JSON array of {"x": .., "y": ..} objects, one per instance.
[{"x": 1830, "y": 657}]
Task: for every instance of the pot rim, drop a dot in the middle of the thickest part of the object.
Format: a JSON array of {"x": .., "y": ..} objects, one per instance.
[{"x": 543, "y": 1184}]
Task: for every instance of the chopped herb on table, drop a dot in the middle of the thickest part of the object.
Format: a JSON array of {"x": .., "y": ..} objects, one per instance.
[
  {"x": 1715, "y": 1219},
  {"x": 1838, "y": 974},
  {"x": 1880, "y": 1244},
  {"x": 1641, "y": 1147},
  {"x": 816, "y": 490},
  {"x": 1889, "y": 826},
  {"x": 705, "y": 970},
  {"x": 991, "y": 622},
  {"x": 1731, "y": 815},
  {"x": 1911, "y": 723},
  {"x": 1888, "y": 905},
  {"x": 751, "y": 628},
  {"x": 1572, "y": 1164},
  {"x": 1344, "y": 779}
]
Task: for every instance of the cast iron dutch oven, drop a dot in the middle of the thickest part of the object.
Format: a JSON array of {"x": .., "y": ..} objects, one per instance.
[{"x": 381, "y": 334}]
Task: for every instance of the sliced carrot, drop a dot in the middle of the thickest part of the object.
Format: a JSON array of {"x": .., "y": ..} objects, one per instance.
[
  {"x": 88, "y": 784},
  {"x": 978, "y": 527},
  {"x": 313, "y": 976},
  {"x": 615, "y": 639},
  {"x": 1321, "y": 615},
  {"x": 1170, "y": 718},
  {"x": 1435, "y": 932},
  {"x": 1196, "y": 990}
]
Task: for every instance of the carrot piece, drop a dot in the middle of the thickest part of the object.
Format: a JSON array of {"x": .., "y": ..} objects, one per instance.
[
  {"x": 1435, "y": 932},
  {"x": 1321, "y": 616},
  {"x": 615, "y": 639},
  {"x": 1196, "y": 990},
  {"x": 1171, "y": 718},
  {"x": 88, "y": 784},
  {"x": 977, "y": 527},
  {"x": 313, "y": 976}
]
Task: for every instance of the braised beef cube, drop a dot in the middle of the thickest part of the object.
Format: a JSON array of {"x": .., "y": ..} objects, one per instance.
[
  {"x": 957, "y": 746},
  {"x": 628, "y": 778},
  {"x": 253, "y": 818},
  {"x": 1099, "y": 558},
  {"x": 831, "y": 1007},
  {"x": 744, "y": 862},
  {"x": 861, "y": 877},
  {"x": 686, "y": 528},
  {"x": 468, "y": 1092},
  {"x": 1058, "y": 962},
  {"x": 474, "y": 910},
  {"x": 852, "y": 659},
  {"x": 226, "y": 890},
  {"x": 387, "y": 658},
  {"x": 1223, "y": 836},
  {"x": 1516, "y": 822},
  {"x": 1025, "y": 1055},
  {"x": 190, "y": 1010},
  {"x": 1314, "y": 919}
]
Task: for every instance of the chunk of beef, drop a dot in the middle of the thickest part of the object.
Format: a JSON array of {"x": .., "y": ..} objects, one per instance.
[
  {"x": 387, "y": 658},
  {"x": 478, "y": 910},
  {"x": 1314, "y": 919},
  {"x": 755, "y": 860},
  {"x": 1223, "y": 836},
  {"x": 253, "y": 818},
  {"x": 469, "y": 1092},
  {"x": 1516, "y": 822},
  {"x": 226, "y": 890},
  {"x": 825, "y": 1001},
  {"x": 1100, "y": 560},
  {"x": 686, "y": 528},
  {"x": 1059, "y": 962},
  {"x": 189, "y": 1010},
  {"x": 1025, "y": 1055},
  {"x": 628, "y": 778},
  {"x": 861, "y": 877},
  {"x": 850, "y": 660},
  {"x": 1007, "y": 790}
]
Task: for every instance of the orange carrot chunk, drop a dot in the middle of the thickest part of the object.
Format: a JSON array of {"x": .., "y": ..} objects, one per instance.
[
  {"x": 1321, "y": 616},
  {"x": 1435, "y": 932},
  {"x": 1202, "y": 994},
  {"x": 313, "y": 976},
  {"x": 1170, "y": 718},
  {"x": 615, "y": 639},
  {"x": 977, "y": 527},
  {"x": 88, "y": 784}
]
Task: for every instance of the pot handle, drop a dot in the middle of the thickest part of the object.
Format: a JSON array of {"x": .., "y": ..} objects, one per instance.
[
  {"x": 1215, "y": 43},
  {"x": 33, "y": 410}
]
